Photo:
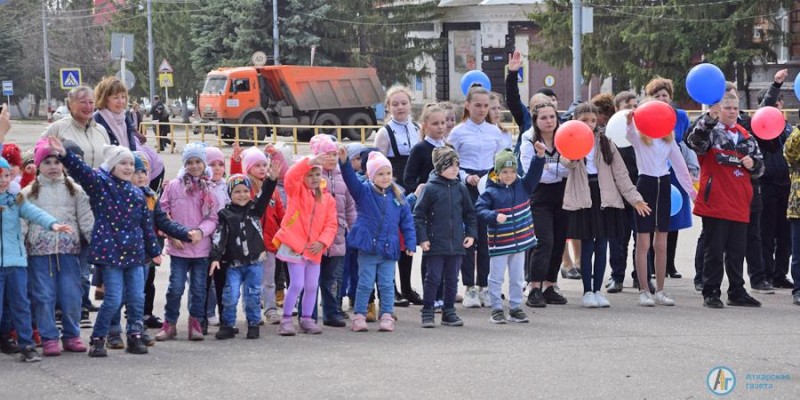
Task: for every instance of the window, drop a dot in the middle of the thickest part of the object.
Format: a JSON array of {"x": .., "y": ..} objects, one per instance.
[{"x": 241, "y": 85}]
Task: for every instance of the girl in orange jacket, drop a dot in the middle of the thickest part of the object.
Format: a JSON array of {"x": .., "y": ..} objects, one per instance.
[{"x": 307, "y": 230}]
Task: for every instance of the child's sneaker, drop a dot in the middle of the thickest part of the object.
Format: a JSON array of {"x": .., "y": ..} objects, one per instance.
[
  {"x": 498, "y": 317},
  {"x": 646, "y": 299},
  {"x": 97, "y": 347},
  {"x": 135, "y": 345},
  {"x": 589, "y": 301},
  {"x": 148, "y": 340},
  {"x": 59, "y": 324},
  {"x": 662, "y": 299},
  {"x": 272, "y": 317},
  {"x": 85, "y": 321},
  {"x": 286, "y": 328},
  {"x": 73, "y": 345},
  {"x": 195, "y": 330},
  {"x": 115, "y": 342},
  {"x": 225, "y": 332},
  {"x": 309, "y": 326},
  {"x": 8, "y": 345},
  {"x": 167, "y": 332},
  {"x": 450, "y": 318},
  {"x": 517, "y": 315},
  {"x": 471, "y": 299},
  {"x": 213, "y": 320},
  {"x": 428, "y": 318},
  {"x": 37, "y": 339},
  {"x": 153, "y": 322},
  {"x": 387, "y": 323},
  {"x": 372, "y": 315},
  {"x": 359, "y": 323},
  {"x": 50, "y": 348},
  {"x": 601, "y": 300},
  {"x": 483, "y": 297},
  {"x": 253, "y": 332},
  {"x": 29, "y": 354}
]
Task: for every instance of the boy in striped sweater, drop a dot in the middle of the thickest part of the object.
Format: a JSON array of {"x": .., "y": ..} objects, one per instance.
[{"x": 505, "y": 207}]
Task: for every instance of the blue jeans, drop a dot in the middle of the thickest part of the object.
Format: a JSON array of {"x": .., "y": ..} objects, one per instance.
[
  {"x": 56, "y": 278},
  {"x": 86, "y": 270},
  {"x": 14, "y": 294},
  {"x": 330, "y": 280},
  {"x": 116, "y": 320},
  {"x": 371, "y": 266},
  {"x": 250, "y": 276},
  {"x": 794, "y": 224},
  {"x": 197, "y": 269},
  {"x": 127, "y": 283}
]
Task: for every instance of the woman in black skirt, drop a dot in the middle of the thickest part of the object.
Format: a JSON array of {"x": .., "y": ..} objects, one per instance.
[{"x": 593, "y": 198}]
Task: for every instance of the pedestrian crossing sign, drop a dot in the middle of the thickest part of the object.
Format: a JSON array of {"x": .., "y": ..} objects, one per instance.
[{"x": 70, "y": 78}]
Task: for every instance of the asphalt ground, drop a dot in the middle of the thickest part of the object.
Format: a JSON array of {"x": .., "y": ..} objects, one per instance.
[{"x": 565, "y": 352}]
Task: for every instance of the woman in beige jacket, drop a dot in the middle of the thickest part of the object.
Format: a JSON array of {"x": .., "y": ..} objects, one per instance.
[
  {"x": 593, "y": 197},
  {"x": 80, "y": 127}
]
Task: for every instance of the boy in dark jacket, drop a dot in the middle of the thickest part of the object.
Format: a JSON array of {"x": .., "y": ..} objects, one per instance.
[
  {"x": 446, "y": 225},
  {"x": 506, "y": 209},
  {"x": 239, "y": 241}
]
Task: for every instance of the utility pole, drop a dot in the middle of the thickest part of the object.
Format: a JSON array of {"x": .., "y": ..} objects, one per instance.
[
  {"x": 577, "y": 31},
  {"x": 150, "y": 67},
  {"x": 46, "y": 60},
  {"x": 276, "y": 48}
]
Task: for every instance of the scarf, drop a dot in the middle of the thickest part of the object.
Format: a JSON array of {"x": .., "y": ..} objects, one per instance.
[{"x": 118, "y": 126}]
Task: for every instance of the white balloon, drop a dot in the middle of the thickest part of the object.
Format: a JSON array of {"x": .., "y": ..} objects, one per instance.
[
  {"x": 617, "y": 127},
  {"x": 482, "y": 184}
]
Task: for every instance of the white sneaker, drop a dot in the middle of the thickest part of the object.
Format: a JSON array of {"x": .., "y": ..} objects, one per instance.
[
  {"x": 589, "y": 300},
  {"x": 646, "y": 299},
  {"x": 471, "y": 299},
  {"x": 483, "y": 296},
  {"x": 213, "y": 321},
  {"x": 662, "y": 299},
  {"x": 601, "y": 300}
]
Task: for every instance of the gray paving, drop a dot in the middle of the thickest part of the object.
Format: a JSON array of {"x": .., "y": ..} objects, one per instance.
[{"x": 566, "y": 352}]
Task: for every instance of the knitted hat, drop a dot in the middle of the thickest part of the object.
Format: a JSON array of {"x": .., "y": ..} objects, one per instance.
[
  {"x": 276, "y": 154},
  {"x": 41, "y": 151},
  {"x": 194, "y": 150},
  {"x": 12, "y": 154},
  {"x": 138, "y": 165},
  {"x": 113, "y": 155},
  {"x": 443, "y": 158},
  {"x": 251, "y": 156},
  {"x": 4, "y": 164},
  {"x": 73, "y": 147},
  {"x": 375, "y": 162},
  {"x": 143, "y": 158},
  {"x": 505, "y": 159},
  {"x": 354, "y": 149},
  {"x": 214, "y": 154},
  {"x": 322, "y": 144},
  {"x": 238, "y": 179},
  {"x": 27, "y": 157}
]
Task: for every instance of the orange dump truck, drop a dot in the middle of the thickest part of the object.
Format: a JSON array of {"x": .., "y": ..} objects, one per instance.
[{"x": 290, "y": 95}]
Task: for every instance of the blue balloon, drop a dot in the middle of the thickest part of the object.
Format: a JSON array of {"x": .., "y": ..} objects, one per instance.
[
  {"x": 475, "y": 77},
  {"x": 706, "y": 83},
  {"x": 797, "y": 86},
  {"x": 676, "y": 201}
]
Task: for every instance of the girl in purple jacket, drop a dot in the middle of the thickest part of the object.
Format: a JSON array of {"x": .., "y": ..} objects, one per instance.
[{"x": 189, "y": 200}]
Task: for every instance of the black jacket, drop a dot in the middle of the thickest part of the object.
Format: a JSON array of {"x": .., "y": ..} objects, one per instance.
[
  {"x": 445, "y": 215},
  {"x": 419, "y": 166},
  {"x": 239, "y": 239}
]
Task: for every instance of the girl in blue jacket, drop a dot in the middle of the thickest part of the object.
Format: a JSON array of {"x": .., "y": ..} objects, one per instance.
[
  {"x": 506, "y": 209},
  {"x": 14, "y": 261},
  {"x": 382, "y": 208}
]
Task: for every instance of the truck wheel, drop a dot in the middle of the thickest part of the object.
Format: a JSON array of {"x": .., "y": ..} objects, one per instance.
[
  {"x": 246, "y": 133},
  {"x": 328, "y": 120},
  {"x": 358, "y": 119}
]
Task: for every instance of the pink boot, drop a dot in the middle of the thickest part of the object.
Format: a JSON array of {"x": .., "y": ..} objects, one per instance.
[
  {"x": 359, "y": 323},
  {"x": 167, "y": 332},
  {"x": 286, "y": 328},
  {"x": 387, "y": 323},
  {"x": 195, "y": 331},
  {"x": 50, "y": 348},
  {"x": 308, "y": 325},
  {"x": 74, "y": 345}
]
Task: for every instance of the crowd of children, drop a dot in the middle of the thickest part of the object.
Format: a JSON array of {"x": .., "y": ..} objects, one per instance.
[{"x": 334, "y": 224}]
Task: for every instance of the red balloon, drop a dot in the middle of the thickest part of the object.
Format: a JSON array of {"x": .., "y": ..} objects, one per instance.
[
  {"x": 574, "y": 140},
  {"x": 768, "y": 123},
  {"x": 655, "y": 119}
]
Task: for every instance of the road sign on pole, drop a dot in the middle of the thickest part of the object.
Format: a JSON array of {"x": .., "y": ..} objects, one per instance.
[
  {"x": 165, "y": 80},
  {"x": 70, "y": 78},
  {"x": 165, "y": 67},
  {"x": 8, "y": 88}
]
